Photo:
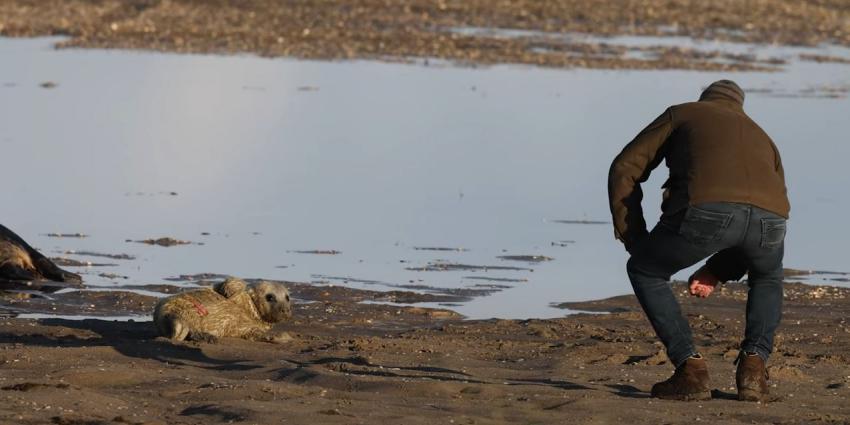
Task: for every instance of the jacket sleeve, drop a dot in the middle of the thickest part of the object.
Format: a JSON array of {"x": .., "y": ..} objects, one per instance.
[
  {"x": 727, "y": 265},
  {"x": 778, "y": 162},
  {"x": 631, "y": 168}
]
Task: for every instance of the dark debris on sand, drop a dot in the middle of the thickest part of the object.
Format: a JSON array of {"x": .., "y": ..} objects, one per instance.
[
  {"x": 317, "y": 252},
  {"x": 442, "y": 266},
  {"x": 165, "y": 242},
  {"x": 70, "y": 262}
]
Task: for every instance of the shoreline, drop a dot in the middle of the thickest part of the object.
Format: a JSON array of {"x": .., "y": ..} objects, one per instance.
[{"x": 132, "y": 302}]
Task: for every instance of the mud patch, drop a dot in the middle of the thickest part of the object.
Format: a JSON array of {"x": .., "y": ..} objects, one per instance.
[
  {"x": 29, "y": 386},
  {"x": 102, "y": 255},
  {"x": 824, "y": 58},
  {"x": 526, "y": 258},
  {"x": 317, "y": 252},
  {"x": 164, "y": 289},
  {"x": 798, "y": 272},
  {"x": 562, "y": 243},
  {"x": 112, "y": 276},
  {"x": 819, "y": 91},
  {"x": 165, "y": 242},
  {"x": 70, "y": 262},
  {"x": 66, "y": 235},
  {"x": 196, "y": 277},
  {"x": 87, "y": 303},
  {"x": 445, "y": 266},
  {"x": 496, "y": 279},
  {"x": 431, "y": 293}
]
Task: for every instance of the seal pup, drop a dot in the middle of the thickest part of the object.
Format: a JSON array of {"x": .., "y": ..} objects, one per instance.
[
  {"x": 21, "y": 262},
  {"x": 227, "y": 309}
]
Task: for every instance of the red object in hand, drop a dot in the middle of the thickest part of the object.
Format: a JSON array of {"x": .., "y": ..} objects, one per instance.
[{"x": 702, "y": 282}]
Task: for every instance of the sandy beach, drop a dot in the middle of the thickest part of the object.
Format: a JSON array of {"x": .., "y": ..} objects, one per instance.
[{"x": 355, "y": 363}]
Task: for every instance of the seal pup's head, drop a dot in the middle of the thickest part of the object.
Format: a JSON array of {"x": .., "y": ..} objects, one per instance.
[{"x": 272, "y": 301}]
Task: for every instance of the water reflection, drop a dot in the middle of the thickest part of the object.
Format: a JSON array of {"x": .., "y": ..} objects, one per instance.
[{"x": 373, "y": 161}]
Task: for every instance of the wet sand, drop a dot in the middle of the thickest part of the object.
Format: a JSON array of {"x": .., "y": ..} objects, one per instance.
[
  {"x": 351, "y": 362},
  {"x": 460, "y": 31}
]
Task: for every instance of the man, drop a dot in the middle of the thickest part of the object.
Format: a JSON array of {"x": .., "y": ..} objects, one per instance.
[{"x": 725, "y": 195}]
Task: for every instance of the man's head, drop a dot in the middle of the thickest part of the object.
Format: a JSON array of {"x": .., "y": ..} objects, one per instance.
[{"x": 723, "y": 89}]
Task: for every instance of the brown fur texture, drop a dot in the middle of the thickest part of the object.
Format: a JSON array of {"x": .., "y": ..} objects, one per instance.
[
  {"x": 15, "y": 256},
  {"x": 228, "y": 309}
]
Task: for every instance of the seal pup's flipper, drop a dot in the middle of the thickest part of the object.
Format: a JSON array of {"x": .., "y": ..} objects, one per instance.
[
  {"x": 51, "y": 271},
  {"x": 171, "y": 327}
]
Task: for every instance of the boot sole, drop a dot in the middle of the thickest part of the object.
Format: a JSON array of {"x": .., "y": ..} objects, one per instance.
[
  {"x": 750, "y": 395},
  {"x": 704, "y": 395}
]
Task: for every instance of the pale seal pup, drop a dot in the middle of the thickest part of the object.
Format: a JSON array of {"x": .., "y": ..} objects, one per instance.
[
  {"x": 227, "y": 309},
  {"x": 21, "y": 262}
]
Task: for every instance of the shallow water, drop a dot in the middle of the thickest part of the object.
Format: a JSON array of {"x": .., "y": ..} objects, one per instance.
[
  {"x": 372, "y": 160},
  {"x": 68, "y": 317}
]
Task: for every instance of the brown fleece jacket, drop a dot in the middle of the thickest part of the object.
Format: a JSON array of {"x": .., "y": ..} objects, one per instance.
[{"x": 715, "y": 153}]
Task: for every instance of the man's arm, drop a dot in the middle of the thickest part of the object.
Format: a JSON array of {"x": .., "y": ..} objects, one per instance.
[
  {"x": 631, "y": 168},
  {"x": 727, "y": 265}
]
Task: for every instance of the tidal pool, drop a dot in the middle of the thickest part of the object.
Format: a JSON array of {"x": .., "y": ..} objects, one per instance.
[{"x": 260, "y": 161}]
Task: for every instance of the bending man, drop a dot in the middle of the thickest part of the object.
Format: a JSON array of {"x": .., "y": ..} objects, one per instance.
[{"x": 725, "y": 194}]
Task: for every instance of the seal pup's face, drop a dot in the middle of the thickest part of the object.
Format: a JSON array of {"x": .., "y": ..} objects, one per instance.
[{"x": 272, "y": 301}]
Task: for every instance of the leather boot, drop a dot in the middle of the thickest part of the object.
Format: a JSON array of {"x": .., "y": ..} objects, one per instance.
[
  {"x": 751, "y": 377},
  {"x": 689, "y": 382}
]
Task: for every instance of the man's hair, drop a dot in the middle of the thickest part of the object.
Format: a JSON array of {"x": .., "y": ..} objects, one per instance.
[{"x": 724, "y": 88}]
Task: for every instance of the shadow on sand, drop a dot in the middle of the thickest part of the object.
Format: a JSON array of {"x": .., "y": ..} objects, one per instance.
[{"x": 132, "y": 339}]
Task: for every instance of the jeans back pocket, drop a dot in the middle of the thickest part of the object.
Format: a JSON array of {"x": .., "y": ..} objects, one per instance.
[
  {"x": 772, "y": 232},
  {"x": 701, "y": 226}
]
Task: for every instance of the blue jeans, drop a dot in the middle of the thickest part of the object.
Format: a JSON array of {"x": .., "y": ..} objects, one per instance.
[{"x": 756, "y": 237}]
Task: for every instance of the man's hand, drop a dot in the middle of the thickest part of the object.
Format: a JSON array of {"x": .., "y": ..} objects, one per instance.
[
  {"x": 634, "y": 240},
  {"x": 702, "y": 282}
]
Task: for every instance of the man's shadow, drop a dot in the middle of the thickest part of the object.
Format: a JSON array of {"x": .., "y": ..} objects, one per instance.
[{"x": 132, "y": 339}]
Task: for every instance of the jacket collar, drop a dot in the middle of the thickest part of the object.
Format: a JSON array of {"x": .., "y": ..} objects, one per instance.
[{"x": 724, "y": 101}]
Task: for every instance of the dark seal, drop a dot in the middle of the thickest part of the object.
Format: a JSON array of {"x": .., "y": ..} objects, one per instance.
[{"x": 22, "y": 267}]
